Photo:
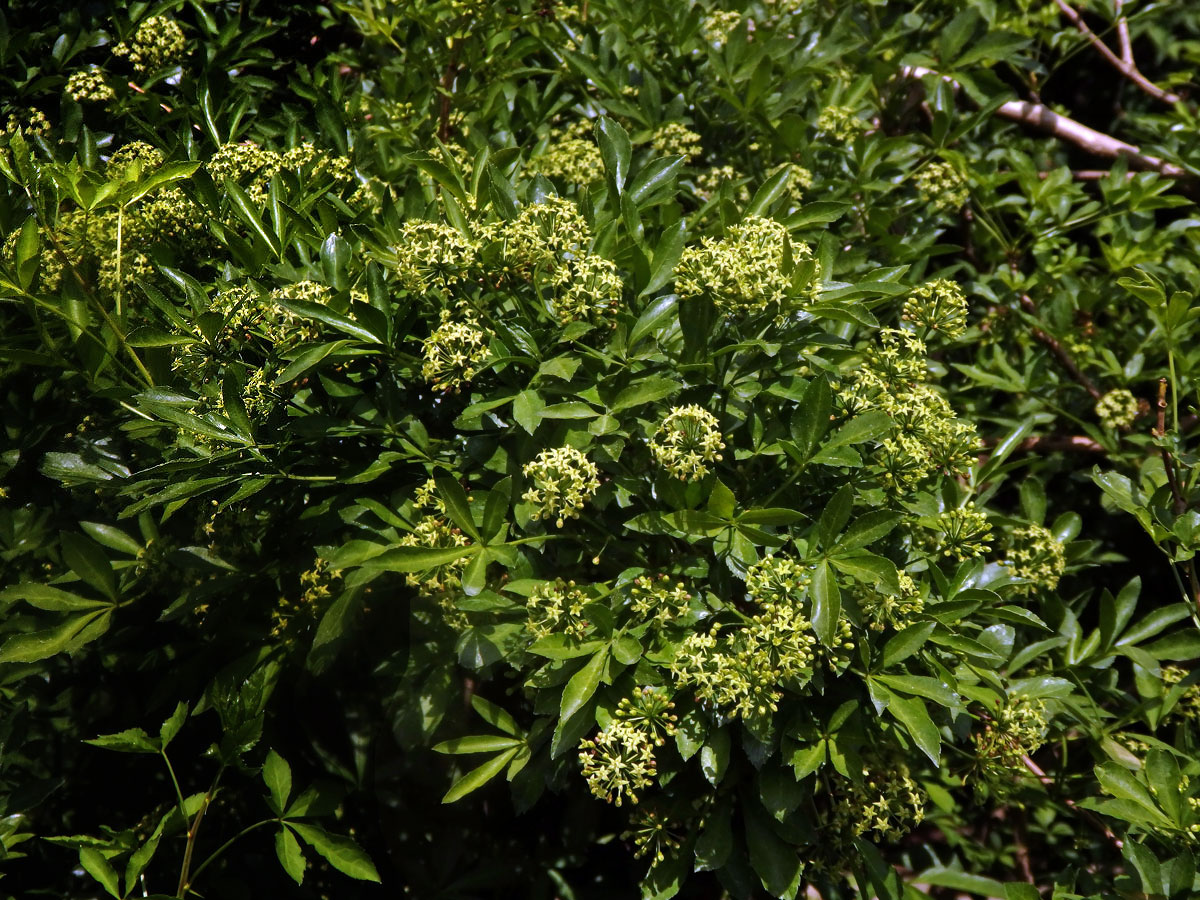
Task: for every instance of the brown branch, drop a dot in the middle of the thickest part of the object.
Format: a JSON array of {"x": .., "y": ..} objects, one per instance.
[
  {"x": 1123, "y": 33},
  {"x": 447, "y": 88},
  {"x": 1122, "y": 65},
  {"x": 1060, "y": 352},
  {"x": 1045, "y": 119}
]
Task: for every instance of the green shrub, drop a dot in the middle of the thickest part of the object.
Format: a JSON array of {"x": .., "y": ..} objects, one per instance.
[{"x": 725, "y": 437}]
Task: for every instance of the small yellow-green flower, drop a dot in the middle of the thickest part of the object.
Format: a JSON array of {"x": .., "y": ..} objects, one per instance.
[
  {"x": 687, "y": 440},
  {"x": 1117, "y": 409},
  {"x": 563, "y": 480}
]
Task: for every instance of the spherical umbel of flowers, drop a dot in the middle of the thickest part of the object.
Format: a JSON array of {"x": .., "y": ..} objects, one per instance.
[
  {"x": 1037, "y": 558},
  {"x": 688, "y": 439},
  {"x": 563, "y": 481},
  {"x": 592, "y": 293},
  {"x": 618, "y": 762},
  {"x": 432, "y": 253},
  {"x": 1117, "y": 409},
  {"x": 158, "y": 42},
  {"x": 941, "y": 186},
  {"x": 89, "y": 86},
  {"x": 743, "y": 271},
  {"x": 939, "y": 306},
  {"x": 454, "y": 352},
  {"x": 674, "y": 139}
]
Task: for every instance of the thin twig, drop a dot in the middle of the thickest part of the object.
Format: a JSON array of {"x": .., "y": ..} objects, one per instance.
[
  {"x": 1043, "y": 118},
  {"x": 1122, "y": 65},
  {"x": 1060, "y": 352},
  {"x": 1087, "y": 815}
]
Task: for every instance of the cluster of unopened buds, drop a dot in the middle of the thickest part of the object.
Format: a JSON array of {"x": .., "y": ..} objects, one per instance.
[
  {"x": 1117, "y": 409},
  {"x": 940, "y": 306},
  {"x": 563, "y": 480},
  {"x": 687, "y": 440},
  {"x": 963, "y": 533},
  {"x": 883, "y": 609}
]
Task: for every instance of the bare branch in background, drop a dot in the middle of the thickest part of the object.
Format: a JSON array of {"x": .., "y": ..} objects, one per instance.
[
  {"x": 1043, "y": 118},
  {"x": 1124, "y": 63}
]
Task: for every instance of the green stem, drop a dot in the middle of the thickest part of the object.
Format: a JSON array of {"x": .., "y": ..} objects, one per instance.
[
  {"x": 120, "y": 233},
  {"x": 175, "y": 782},
  {"x": 225, "y": 846}
]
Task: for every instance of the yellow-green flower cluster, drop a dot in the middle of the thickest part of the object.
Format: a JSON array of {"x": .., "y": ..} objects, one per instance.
[
  {"x": 659, "y": 600},
  {"x": 285, "y": 328},
  {"x": 316, "y": 164},
  {"x": 840, "y": 123},
  {"x": 687, "y": 440},
  {"x": 434, "y": 531},
  {"x": 135, "y": 153},
  {"x": 777, "y": 580},
  {"x": 89, "y": 86},
  {"x": 709, "y": 182},
  {"x": 941, "y": 186},
  {"x": 743, "y": 271},
  {"x": 557, "y": 607},
  {"x": 928, "y": 439},
  {"x": 564, "y": 479},
  {"x": 887, "y": 802},
  {"x": 940, "y": 305},
  {"x": 572, "y": 155},
  {"x": 1036, "y": 557},
  {"x": 883, "y": 609},
  {"x": 652, "y": 835},
  {"x": 432, "y": 254},
  {"x": 246, "y": 163},
  {"x": 158, "y": 42},
  {"x": 259, "y": 395},
  {"x": 31, "y": 121},
  {"x": 618, "y": 762},
  {"x": 962, "y": 533},
  {"x": 743, "y": 671},
  {"x": 1188, "y": 706},
  {"x": 545, "y": 237},
  {"x": 717, "y": 28},
  {"x": 674, "y": 139},
  {"x": 290, "y": 615},
  {"x": 592, "y": 292},
  {"x": 649, "y": 709},
  {"x": 454, "y": 351},
  {"x": 1117, "y": 409},
  {"x": 1017, "y": 730},
  {"x": 240, "y": 306}
]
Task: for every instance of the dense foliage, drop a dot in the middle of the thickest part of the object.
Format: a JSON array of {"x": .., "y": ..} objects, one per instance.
[{"x": 575, "y": 450}]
